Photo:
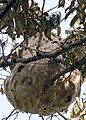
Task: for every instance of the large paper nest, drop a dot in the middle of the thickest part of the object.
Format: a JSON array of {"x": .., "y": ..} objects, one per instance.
[{"x": 26, "y": 88}]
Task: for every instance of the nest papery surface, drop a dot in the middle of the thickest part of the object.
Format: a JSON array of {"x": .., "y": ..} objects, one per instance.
[{"x": 26, "y": 88}]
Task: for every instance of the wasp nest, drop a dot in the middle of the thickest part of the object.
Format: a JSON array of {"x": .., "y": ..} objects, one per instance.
[{"x": 29, "y": 87}]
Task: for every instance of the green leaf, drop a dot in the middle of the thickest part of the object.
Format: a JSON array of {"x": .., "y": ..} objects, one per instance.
[
  {"x": 75, "y": 18},
  {"x": 71, "y": 11},
  {"x": 71, "y": 5},
  {"x": 2, "y": 90}
]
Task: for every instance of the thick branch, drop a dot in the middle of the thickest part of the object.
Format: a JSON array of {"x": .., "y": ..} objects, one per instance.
[
  {"x": 66, "y": 48},
  {"x": 46, "y": 55}
]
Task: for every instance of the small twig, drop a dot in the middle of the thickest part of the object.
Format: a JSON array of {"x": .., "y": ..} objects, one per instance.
[
  {"x": 63, "y": 116},
  {"x": 49, "y": 117},
  {"x": 8, "y": 71},
  {"x": 9, "y": 115},
  {"x": 56, "y": 116},
  {"x": 41, "y": 117},
  {"x": 3, "y": 45},
  {"x": 43, "y": 6},
  {"x": 42, "y": 9},
  {"x": 16, "y": 116},
  {"x": 52, "y": 8},
  {"x": 8, "y": 56},
  {"x": 30, "y": 116}
]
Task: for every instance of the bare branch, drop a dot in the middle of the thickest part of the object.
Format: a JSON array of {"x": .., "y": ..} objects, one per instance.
[
  {"x": 46, "y": 54},
  {"x": 63, "y": 116},
  {"x": 67, "y": 47},
  {"x": 52, "y": 8},
  {"x": 14, "y": 112},
  {"x": 41, "y": 117},
  {"x": 43, "y": 6},
  {"x": 30, "y": 116}
]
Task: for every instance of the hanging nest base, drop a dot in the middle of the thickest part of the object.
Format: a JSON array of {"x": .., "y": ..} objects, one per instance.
[{"x": 26, "y": 88}]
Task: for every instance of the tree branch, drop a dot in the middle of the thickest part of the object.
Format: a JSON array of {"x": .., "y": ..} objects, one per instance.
[
  {"x": 65, "y": 48},
  {"x": 43, "y": 55},
  {"x": 63, "y": 116},
  {"x": 52, "y": 8},
  {"x": 69, "y": 68},
  {"x": 14, "y": 112},
  {"x": 8, "y": 7}
]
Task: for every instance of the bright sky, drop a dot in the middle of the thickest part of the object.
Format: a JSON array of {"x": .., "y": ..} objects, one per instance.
[{"x": 5, "y": 106}]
